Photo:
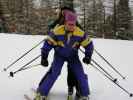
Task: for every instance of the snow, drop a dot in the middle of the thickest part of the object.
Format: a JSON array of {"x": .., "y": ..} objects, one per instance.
[{"x": 118, "y": 52}]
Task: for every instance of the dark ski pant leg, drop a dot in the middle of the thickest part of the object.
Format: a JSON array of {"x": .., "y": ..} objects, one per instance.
[
  {"x": 71, "y": 80},
  {"x": 78, "y": 71},
  {"x": 47, "y": 84}
]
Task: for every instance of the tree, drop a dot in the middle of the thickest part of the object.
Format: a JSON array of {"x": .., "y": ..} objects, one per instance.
[
  {"x": 93, "y": 16},
  {"x": 68, "y": 3},
  {"x": 123, "y": 16},
  {"x": 3, "y": 26}
]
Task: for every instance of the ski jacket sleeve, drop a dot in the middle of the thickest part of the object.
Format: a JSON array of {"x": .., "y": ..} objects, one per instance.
[
  {"x": 87, "y": 43},
  {"x": 48, "y": 44}
]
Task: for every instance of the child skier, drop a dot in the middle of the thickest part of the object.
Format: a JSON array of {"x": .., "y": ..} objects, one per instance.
[{"x": 66, "y": 40}]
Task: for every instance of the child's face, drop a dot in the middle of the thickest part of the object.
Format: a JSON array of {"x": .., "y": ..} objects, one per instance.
[{"x": 70, "y": 26}]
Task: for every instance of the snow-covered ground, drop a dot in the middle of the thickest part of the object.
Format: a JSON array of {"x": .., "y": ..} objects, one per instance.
[{"x": 118, "y": 52}]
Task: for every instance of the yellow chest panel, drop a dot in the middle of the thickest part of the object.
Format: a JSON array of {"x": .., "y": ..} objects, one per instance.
[{"x": 60, "y": 30}]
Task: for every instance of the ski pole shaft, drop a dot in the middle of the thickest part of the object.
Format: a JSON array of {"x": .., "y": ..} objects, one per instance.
[
  {"x": 109, "y": 64},
  {"x": 29, "y": 67},
  {"x": 114, "y": 79},
  {"x": 23, "y": 55},
  {"x": 130, "y": 94},
  {"x": 23, "y": 67},
  {"x": 102, "y": 72}
]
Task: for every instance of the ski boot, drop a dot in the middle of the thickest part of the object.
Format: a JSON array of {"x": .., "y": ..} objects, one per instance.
[
  {"x": 70, "y": 93},
  {"x": 84, "y": 98},
  {"x": 69, "y": 97},
  {"x": 40, "y": 97},
  {"x": 77, "y": 96}
]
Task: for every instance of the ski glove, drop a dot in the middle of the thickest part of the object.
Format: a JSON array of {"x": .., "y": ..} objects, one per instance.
[
  {"x": 86, "y": 60},
  {"x": 44, "y": 62}
]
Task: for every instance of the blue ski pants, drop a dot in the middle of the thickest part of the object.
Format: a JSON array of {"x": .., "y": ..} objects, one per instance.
[{"x": 55, "y": 70}]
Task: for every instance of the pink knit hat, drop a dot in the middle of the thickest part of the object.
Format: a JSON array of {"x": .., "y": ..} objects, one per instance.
[{"x": 70, "y": 16}]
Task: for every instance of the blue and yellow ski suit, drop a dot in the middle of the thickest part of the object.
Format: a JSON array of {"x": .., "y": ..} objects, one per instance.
[{"x": 66, "y": 45}]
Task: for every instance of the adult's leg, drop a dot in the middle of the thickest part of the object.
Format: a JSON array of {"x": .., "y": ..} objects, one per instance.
[
  {"x": 71, "y": 80},
  {"x": 79, "y": 74},
  {"x": 56, "y": 67}
]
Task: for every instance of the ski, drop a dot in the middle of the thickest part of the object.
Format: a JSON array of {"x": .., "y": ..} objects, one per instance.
[{"x": 27, "y": 97}]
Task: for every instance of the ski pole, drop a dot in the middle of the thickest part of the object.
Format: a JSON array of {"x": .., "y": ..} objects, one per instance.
[
  {"x": 130, "y": 94},
  {"x": 23, "y": 67},
  {"x": 114, "y": 79},
  {"x": 109, "y": 64},
  {"x": 102, "y": 72},
  {"x": 29, "y": 67},
  {"x": 5, "y": 69}
]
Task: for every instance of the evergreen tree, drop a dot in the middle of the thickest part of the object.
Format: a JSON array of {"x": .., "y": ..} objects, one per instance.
[
  {"x": 123, "y": 16},
  {"x": 94, "y": 16},
  {"x": 68, "y": 3},
  {"x": 3, "y": 26}
]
